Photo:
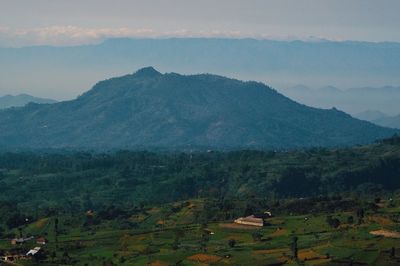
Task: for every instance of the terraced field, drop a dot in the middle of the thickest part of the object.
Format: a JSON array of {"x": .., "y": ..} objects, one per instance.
[{"x": 159, "y": 236}]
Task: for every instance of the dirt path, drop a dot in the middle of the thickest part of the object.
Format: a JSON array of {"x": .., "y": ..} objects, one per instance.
[
  {"x": 238, "y": 226},
  {"x": 385, "y": 233}
]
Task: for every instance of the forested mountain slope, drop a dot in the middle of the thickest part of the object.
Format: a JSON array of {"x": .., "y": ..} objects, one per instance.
[{"x": 150, "y": 109}]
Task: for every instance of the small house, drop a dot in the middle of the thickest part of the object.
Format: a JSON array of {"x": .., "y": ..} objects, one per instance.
[
  {"x": 208, "y": 232},
  {"x": 33, "y": 251},
  {"x": 268, "y": 214},
  {"x": 41, "y": 241},
  {"x": 250, "y": 220},
  {"x": 20, "y": 240}
]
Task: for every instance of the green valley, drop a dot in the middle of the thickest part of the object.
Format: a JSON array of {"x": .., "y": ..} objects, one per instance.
[{"x": 328, "y": 206}]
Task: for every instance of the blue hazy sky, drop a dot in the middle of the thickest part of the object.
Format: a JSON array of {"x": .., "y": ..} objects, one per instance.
[
  {"x": 47, "y": 72},
  {"x": 65, "y": 22}
]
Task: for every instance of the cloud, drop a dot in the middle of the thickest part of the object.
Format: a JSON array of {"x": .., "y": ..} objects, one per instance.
[
  {"x": 65, "y": 35},
  {"x": 73, "y": 35}
]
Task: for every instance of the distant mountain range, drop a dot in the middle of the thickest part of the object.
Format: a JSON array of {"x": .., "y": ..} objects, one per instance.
[
  {"x": 278, "y": 63},
  {"x": 149, "y": 109},
  {"x": 8, "y": 101},
  {"x": 371, "y": 115},
  {"x": 356, "y": 101},
  {"x": 376, "y": 105},
  {"x": 391, "y": 121},
  {"x": 380, "y": 118}
]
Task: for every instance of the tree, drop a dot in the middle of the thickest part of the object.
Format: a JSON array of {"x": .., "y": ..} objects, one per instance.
[
  {"x": 350, "y": 219},
  {"x": 66, "y": 257},
  {"x": 294, "y": 247},
  {"x": 332, "y": 222},
  {"x": 175, "y": 244},
  {"x": 360, "y": 216},
  {"x": 124, "y": 242},
  {"x": 204, "y": 241},
  {"x": 16, "y": 220},
  {"x": 232, "y": 243},
  {"x": 179, "y": 233},
  {"x": 391, "y": 203},
  {"x": 53, "y": 256},
  {"x": 257, "y": 236},
  {"x": 56, "y": 231}
]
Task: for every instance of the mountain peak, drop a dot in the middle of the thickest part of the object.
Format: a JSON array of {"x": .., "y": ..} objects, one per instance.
[{"x": 147, "y": 72}]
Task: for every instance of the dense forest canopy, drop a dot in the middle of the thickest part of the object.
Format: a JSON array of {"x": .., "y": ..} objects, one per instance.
[{"x": 34, "y": 182}]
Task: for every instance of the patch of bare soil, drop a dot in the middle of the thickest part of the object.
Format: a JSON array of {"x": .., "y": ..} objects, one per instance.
[
  {"x": 385, "y": 233},
  {"x": 272, "y": 251},
  {"x": 238, "y": 226},
  {"x": 204, "y": 258},
  {"x": 157, "y": 263}
]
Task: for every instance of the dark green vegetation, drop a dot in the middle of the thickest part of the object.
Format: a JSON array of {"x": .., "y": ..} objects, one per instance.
[
  {"x": 132, "y": 208},
  {"x": 85, "y": 180},
  {"x": 152, "y": 110}
]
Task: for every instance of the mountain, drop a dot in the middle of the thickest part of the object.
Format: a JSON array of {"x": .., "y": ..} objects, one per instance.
[
  {"x": 353, "y": 100},
  {"x": 150, "y": 109},
  {"x": 389, "y": 121},
  {"x": 8, "y": 101},
  {"x": 280, "y": 63},
  {"x": 379, "y": 118},
  {"x": 371, "y": 115}
]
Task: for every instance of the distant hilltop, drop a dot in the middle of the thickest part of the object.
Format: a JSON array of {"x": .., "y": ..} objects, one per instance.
[
  {"x": 8, "y": 101},
  {"x": 352, "y": 100}
]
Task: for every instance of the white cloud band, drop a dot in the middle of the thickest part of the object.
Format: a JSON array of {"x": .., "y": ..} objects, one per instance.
[{"x": 73, "y": 35}]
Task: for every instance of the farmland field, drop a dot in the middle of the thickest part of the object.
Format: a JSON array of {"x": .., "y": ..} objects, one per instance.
[{"x": 142, "y": 239}]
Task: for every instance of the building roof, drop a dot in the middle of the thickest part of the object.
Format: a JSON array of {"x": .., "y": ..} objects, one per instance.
[
  {"x": 33, "y": 251},
  {"x": 21, "y": 239},
  {"x": 250, "y": 219}
]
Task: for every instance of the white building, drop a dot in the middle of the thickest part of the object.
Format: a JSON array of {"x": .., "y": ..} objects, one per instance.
[{"x": 250, "y": 220}]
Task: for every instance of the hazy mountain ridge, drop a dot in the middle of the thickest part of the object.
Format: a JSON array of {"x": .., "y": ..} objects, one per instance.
[
  {"x": 380, "y": 118},
  {"x": 150, "y": 109},
  {"x": 354, "y": 100},
  {"x": 19, "y": 100},
  {"x": 377, "y": 105},
  {"x": 371, "y": 115},
  {"x": 390, "y": 121},
  {"x": 347, "y": 64}
]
